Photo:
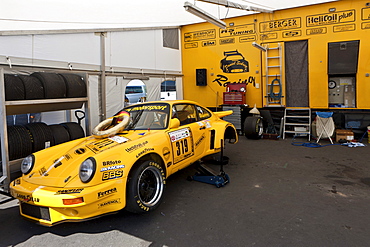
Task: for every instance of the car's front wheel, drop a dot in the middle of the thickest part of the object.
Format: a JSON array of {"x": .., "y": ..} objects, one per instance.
[{"x": 145, "y": 187}]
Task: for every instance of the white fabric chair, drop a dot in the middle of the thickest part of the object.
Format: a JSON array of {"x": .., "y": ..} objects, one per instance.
[{"x": 324, "y": 125}]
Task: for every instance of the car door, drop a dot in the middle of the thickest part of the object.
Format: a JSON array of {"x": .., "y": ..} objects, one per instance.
[{"x": 189, "y": 140}]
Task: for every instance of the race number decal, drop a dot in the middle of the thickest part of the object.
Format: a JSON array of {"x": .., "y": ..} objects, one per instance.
[{"x": 182, "y": 144}]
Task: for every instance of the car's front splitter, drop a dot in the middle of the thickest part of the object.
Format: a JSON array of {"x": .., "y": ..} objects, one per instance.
[{"x": 50, "y": 205}]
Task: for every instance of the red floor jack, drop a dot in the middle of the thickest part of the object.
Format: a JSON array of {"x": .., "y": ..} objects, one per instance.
[{"x": 207, "y": 175}]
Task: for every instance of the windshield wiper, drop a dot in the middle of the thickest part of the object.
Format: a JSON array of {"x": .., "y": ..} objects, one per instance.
[{"x": 135, "y": 120}]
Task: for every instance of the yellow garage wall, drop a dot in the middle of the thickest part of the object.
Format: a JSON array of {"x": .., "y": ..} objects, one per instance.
[{"x": 204, "y": 45}]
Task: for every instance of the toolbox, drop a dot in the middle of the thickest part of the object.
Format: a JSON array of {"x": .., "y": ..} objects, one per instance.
[{"x": 346, "y": 135}]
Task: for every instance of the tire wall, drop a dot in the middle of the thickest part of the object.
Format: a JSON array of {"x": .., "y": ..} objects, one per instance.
[{"x": 32, "y": 137}]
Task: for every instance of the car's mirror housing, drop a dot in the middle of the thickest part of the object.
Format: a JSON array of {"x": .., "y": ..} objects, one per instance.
[{"x": 174, "y": 123}]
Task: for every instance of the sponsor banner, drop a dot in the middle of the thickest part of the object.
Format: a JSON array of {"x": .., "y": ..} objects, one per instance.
[
  {"x": 282, "y": 24},
  {"x": 365, "y": 14},
  {"x": 330, "y": 18},
  {"x": 319, "y": 30},
  {"x": 200, "y": 35},
  {"x": 344, "y": 28},
  {"x": 247, "y": 29}
]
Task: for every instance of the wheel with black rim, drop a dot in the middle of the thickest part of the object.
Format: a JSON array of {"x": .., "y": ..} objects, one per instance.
[
  {"x": 253, "y": 127},
  {"x": 145, "y": 187}
]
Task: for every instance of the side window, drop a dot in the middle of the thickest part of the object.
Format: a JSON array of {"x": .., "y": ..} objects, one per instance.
[
  {"x": 203, "y": 113},
  {"x": 185, "y": 113}
]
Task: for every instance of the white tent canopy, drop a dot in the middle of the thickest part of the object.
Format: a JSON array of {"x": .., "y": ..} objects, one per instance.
[{"x": 93, "y": 14}]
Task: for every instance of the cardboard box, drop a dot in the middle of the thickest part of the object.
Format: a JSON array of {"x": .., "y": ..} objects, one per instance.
[{"x": 345, "y": 135}]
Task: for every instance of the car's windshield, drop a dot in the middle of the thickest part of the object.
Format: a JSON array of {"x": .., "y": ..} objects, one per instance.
[{"x": 148, "y": 116}]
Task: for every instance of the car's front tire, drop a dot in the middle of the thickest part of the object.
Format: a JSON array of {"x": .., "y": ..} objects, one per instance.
[{"x": 145, "y": 187}]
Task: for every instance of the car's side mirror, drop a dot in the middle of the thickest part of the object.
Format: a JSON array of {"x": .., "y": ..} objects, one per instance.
[{"x": 174, "y": 123}]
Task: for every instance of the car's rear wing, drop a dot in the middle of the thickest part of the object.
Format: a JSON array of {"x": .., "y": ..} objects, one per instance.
[{"x": 222, "y": 114}]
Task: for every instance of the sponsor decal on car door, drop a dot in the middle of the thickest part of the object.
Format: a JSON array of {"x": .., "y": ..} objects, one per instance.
[{"x": 182, "y": 144}]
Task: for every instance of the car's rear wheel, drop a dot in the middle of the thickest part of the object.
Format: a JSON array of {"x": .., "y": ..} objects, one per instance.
[{"x": 145, "y": 187}]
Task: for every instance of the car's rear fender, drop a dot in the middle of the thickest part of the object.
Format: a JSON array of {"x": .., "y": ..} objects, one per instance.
[{"x": 226, "y": 132}]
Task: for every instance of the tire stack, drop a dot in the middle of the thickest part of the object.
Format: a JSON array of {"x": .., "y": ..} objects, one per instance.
[
  {"x": 33, "y": 137},
  {"x": 44, "y": 85},
  {"x": 19, "y": 142},
  {"x": 24, "y": 140},
  {"x": 41, "y": 136}
]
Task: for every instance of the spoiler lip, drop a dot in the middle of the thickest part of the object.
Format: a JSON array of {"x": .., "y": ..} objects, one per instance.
[{"x": 222, "y": 114}]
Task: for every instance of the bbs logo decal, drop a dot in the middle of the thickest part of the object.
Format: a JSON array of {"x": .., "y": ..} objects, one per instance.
[{"x": 112, "y": 174}]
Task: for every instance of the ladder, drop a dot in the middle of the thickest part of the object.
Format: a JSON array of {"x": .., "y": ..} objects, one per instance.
[
  {"x": 274, "y": 71},
  {"x": 297, "y": 121}
]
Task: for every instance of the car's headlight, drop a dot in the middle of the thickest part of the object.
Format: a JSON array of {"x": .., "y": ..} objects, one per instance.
[
  {"x": 87, "y": 170},
  {"x": 27, "y": 164}
]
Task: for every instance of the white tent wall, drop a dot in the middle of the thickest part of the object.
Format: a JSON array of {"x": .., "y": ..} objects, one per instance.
[
  {"x": 137, "y": 53},
  {"x": 17, "y": 46},
  {"x": 142, "y": 50},
  {"x": 78, "y": 47},
  {"x": 94, "y": 116},
  {"x": 116, "y": 92}
]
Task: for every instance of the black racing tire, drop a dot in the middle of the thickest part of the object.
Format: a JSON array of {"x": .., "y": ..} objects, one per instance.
[
  {"x": 253, "y": 127},
  {"x": 60, "y": 134},
  {"x": 41, "y": 136},
  {"x": 33, "y": 87},
  {"x": 75, "y": 85},
  {"x": 74, "y": 129},
  {"x": 54, "y": 85},
  {"x": 19, "y": 142},
  {"x": 145, "y": 187},
  {"x": 14, "y": 89}
]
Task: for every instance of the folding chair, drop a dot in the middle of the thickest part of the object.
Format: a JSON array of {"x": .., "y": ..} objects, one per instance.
[{"x": 324, "y": 125}]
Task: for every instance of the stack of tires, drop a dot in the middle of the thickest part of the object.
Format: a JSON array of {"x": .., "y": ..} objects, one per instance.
[
  {"x": 33, "y": 137},
  {"x": 26, "y": 139},
  {"x": 42, "y": 85}
]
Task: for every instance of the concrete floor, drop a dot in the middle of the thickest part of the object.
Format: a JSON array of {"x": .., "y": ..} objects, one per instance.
[{"x": 279, "y": 195}]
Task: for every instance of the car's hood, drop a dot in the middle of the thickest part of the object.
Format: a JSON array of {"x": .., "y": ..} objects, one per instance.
[{"x": 58, "y": 166}]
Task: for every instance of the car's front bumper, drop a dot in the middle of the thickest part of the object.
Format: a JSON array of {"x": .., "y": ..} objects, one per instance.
[{"x": 47, "y": 205}]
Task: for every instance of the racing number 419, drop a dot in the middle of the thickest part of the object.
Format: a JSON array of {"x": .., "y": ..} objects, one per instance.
[{"x": 182, "y": 147}]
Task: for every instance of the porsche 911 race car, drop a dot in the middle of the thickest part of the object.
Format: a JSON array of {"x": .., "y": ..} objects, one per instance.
[{"x": 122, "y": 165}]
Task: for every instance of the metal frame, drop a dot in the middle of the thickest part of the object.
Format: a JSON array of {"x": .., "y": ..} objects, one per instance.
[{"x": 26, "y": 106}]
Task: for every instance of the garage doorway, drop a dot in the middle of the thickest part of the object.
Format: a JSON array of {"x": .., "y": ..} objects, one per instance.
[
  {"x": 168, "y": 90},
  {"x": 135, "y": 92},
  {"x": 296, "y": 73}
]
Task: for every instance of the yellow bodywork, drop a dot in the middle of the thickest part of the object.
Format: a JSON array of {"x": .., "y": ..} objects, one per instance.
[{"x": 54, "y": 179}]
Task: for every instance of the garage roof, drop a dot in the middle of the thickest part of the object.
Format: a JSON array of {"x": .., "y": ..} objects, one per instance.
[{"x": 18, "y": 15}]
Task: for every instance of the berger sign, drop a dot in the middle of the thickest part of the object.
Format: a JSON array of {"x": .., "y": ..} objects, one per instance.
[
  {"x": 282, "y": 24},
  {"x": 330, "y": 18}
]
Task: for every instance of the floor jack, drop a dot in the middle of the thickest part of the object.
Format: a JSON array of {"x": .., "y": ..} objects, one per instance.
[{"x": 207, "y": 175}]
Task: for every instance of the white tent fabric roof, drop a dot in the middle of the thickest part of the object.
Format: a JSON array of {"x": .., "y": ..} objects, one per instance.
[{"x": 18, "y": 15}]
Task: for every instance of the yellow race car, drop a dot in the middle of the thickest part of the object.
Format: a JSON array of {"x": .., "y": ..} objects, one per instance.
[{"x": 122, "y": 165}]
